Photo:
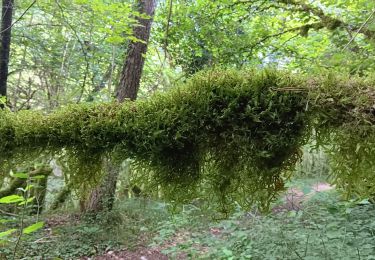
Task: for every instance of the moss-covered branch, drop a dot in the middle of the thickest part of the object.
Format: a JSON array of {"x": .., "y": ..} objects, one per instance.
[
  {"x": 234, "y": 127},
  {"x": 21, "y": 183},
  {"x": 39, "y": 178}
]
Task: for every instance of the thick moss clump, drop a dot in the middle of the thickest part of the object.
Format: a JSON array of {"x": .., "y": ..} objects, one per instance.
[
  {"x": 6, "y": 130},
  {"x": 223, "y": 134}
]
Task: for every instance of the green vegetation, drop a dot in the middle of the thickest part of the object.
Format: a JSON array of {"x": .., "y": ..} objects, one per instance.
[
  {"x": 226, "y": 133},
  {"x": 187, "y": 129},
  {"x": 30, "y": 200},
  {"x": 325, "y": 227}
]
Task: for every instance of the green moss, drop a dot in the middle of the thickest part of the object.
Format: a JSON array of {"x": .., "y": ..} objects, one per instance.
[{"x": 222, "y": 134}]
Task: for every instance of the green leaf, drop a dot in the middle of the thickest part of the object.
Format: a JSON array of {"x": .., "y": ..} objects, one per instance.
[
  {"x": 3, "y": 100},
  {"x": 38, "y": 177},
  {"x": 227, "y": 252},
  {"x": 26, "y": 201},
  {"x": 7, "y": 233},
  {"x": 19, "y": 175},
  {"x": 33, "y": 227},
  {"x": 11, "y": 199},
  {"x": 2, "y": 221},
  {"x": 28, "y": 187}
]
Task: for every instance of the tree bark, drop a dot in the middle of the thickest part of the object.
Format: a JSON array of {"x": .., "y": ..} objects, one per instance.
[
  {"x": 6, "y": 28},
  {"x": 61, "y": 197},
  {"x": 102, "y": 197},
  {"x": 133, "y": 66}
]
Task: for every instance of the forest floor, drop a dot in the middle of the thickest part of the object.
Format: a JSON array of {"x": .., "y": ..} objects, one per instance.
[
  {"x": 292, "y": 200},
  {"x": 310, "y": 221}
]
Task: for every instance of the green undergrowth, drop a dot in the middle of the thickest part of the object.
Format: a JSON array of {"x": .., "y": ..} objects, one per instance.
[
  {"x": 226, "y": 136},
  {"x": 324, "y": 228},
  {"x": 130, "y": 225}
]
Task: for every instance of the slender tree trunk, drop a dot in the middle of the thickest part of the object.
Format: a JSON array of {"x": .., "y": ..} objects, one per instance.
[
  {"x": 133, "y": 66},
  {"x": 102, "y": 197},
  {"x": 6, "y": 28}
]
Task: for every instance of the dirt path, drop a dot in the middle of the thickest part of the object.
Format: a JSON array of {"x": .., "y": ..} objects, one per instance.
[
  {"x": 294, "y": 197},
  {"x": 140, "y": 254}
]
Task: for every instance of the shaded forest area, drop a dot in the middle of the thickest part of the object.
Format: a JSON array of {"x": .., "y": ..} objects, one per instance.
[{"x": 187, "y": 129}]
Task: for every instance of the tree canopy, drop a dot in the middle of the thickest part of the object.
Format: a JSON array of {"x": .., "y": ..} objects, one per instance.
[
  {"x": 80, "y": 57},
  {"x": 253, "y": 119}
]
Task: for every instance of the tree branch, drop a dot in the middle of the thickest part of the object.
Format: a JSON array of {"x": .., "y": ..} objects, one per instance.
[
  {"x": 329, "y": 22},
  {"x": 19, "y": 18}
]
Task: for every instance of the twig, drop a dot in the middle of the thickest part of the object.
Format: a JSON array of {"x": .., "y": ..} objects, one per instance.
[
  {"x": 309, "y": 26},
  {"x": 26, "y": 196},
  {"x": 167, "y": 29},
  {"x": 300, "y": 257},
  {"x": 289, "y": 89},
  {"x": 28, "y": 100},
  {"x": 84, "y": 51},
  {"x": 19, "y": 18},
  {"x": 324, "y": 246},
  {"x": 307, "y": 243},
  {"x": 8, "y": 213},
  {"x": 42, "y": 240},
  {"x": 359, "y": 30}
]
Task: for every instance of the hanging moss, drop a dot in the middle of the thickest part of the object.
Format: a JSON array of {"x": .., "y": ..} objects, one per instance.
[{"x": 228, "y": 135}]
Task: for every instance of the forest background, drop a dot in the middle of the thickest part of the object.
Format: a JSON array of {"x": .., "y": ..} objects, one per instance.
[{"x": 58, "y": 53}]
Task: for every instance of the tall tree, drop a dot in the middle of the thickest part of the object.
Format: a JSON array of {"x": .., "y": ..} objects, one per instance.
[
  {"x": 103, "y": 196},
  {"x": 5, "y": 34},
  {"x": 135, "y": 58}
]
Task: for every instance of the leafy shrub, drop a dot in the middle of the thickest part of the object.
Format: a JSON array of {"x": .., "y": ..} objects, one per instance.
[{"x": 326, "y": 228}]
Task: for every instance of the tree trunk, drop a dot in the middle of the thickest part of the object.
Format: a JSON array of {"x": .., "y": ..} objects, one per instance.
[
  {"x": 6, "y": 28},
  {"x": 61, "y": 197},
  {"x": 102, "y": 197},
  {"x": 133, "y": 66}
]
